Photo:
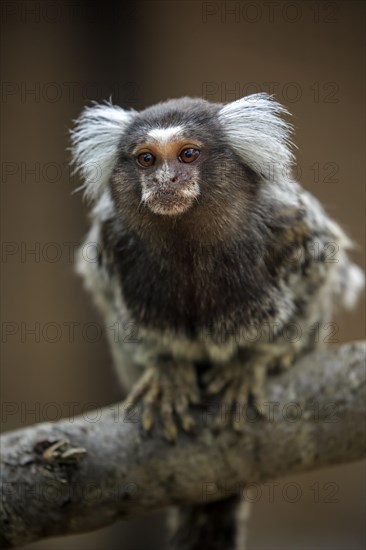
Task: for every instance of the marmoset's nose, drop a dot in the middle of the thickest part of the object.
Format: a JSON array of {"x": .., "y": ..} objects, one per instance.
[{"x": 175, "y": 179}]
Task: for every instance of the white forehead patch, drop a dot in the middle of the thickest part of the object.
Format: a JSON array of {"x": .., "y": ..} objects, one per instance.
[{"x": 164, "y": 135}]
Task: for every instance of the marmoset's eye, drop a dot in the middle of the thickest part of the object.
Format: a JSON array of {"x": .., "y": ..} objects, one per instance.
[
  {"x": 146, "y": 159},
  {"x": 189, "y": 155}
]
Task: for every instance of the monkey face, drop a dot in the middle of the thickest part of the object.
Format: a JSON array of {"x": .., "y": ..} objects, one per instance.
[
  {"x": 170, "y": 160},
  {"x": 185, "y": 165},
  {"x": 168, "y": 167},
  {"x": 176, "y": 170}
]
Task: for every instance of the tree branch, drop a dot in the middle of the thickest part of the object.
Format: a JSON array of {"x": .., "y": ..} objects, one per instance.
[{"x": 74, "y": 476}]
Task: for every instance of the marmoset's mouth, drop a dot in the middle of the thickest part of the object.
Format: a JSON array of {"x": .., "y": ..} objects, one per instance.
[{"x": 169, "y": 203}]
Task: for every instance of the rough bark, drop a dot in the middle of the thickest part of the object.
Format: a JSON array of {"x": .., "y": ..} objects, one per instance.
[{"x": 74, "y": 476}]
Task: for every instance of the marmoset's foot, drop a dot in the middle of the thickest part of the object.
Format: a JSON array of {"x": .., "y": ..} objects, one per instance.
[
  {"x": 168, "y": 389},
  {"x": 240, "y": 383}
]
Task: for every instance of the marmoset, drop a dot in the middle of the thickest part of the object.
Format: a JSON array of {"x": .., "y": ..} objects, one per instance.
[{"x": 208, "y": 251}]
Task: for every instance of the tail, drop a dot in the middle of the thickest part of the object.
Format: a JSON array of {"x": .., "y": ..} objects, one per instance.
[{"x": 217, "y": 525}]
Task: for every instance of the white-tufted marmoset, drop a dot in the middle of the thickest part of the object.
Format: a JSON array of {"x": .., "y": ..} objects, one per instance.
[{"x": 208, "y": 252}]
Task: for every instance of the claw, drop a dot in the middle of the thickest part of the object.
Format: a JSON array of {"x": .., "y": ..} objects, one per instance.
[
  {"x": 147, "y": 420},
  {"x": 138, "y": 391},
  {"x": 170, "y": 429},
  {"x": 170, "y": 432},
  {"x": 216, "y": 386},
  {"x": 259, "y": 377},
  {"x": 181, "y": 408},
  {"x": 188, "y": 423}
]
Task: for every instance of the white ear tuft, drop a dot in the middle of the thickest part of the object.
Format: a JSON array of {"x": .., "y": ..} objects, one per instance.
[
  {"x": 95, "y": 139},
  {"x": 258, "y": 134}
]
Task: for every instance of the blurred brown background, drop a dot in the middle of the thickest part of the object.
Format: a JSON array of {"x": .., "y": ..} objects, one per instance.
[{"x": 57, "y": 56}]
